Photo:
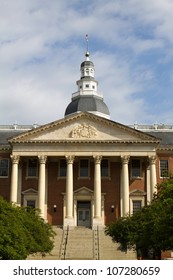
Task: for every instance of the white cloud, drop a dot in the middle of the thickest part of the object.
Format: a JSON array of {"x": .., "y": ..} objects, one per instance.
[{"x": 42, "y": 45}]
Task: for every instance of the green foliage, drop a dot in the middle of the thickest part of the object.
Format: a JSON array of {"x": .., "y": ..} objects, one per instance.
[
  {"x": 22, "y": 232},
  {"x": 151, "y": 228},
  {"x": 120, "y": 232}
]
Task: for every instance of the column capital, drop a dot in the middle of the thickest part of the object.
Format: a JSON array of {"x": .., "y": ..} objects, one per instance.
[
  {"x": 152, "y": 159},
  {"x": 97, "y": 159},
  {"x": 125, "y": 159},
  {"x": 70, "y": 159},
  {"x": 15, "y": 159},
  {"x": 147, "y": 164},
  {"x": 42, "y": 159}
]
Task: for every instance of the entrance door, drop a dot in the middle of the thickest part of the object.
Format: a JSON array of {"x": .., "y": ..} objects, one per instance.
[{"x": 84, "y": 213}]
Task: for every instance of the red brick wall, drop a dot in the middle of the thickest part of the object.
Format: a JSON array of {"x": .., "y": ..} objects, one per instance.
[
  {"x": 57, "y": 185},
  {"x": 5, "y": 182},
  {"x": 112, "y": 189}
]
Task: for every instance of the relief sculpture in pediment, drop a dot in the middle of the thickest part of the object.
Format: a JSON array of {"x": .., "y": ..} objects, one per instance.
[{"x": 83, "y": 131}]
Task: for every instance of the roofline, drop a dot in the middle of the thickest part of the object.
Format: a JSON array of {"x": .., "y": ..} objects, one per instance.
[{"x": 78, "y": 115}]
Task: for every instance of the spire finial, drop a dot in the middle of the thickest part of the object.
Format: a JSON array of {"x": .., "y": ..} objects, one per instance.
[
  {"x": 86, "y": 38},
  {"x": 87, "y": 52}
]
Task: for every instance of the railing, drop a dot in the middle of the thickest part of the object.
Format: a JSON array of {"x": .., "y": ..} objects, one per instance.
[
  {"x": 96, "y": 244},
  {"x": 64, "y": 244}
]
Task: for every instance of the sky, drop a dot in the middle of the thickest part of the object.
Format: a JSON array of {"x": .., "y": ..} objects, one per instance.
[{"x": 42, "y": 44}]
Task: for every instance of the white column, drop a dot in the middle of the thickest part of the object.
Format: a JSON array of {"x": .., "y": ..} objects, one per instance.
[
  {"x": 97, "y": 186},
  {"x": 19, "y": 184},
  {"x": 148, "y": 181},
  {"x": 121, "y": 194},
  {"x": 14, "y": 178},
  {"x": 153, "y": 180},
  {"x": 125, "y": 185},
  {"x": 42, "y": 185},
  {"x": 46, "y": 191},
  {"x": 69, "y": 187}
]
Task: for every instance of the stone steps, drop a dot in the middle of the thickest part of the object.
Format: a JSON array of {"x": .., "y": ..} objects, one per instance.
[
  {"x": 109, "y": 250},
  {"x": 84, "y": 244},
  {"x": 79, "y": 244},
  {"x": 55, "y": 253}
]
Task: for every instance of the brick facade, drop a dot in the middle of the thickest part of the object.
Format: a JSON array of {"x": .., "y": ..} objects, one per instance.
[{"x": 110, "y": 186}]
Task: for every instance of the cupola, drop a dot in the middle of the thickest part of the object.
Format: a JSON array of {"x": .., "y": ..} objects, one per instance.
[{"x": 87, "y": 99}]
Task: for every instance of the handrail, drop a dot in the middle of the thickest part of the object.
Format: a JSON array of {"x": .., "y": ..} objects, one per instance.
[
  {"x": 98, "y": 243},
  {"x": 65, "y": 247},
  {"x": 64, "y": 244}
]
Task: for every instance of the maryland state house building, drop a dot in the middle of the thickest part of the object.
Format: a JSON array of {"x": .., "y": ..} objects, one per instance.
[{"x": 84, "y": 169}]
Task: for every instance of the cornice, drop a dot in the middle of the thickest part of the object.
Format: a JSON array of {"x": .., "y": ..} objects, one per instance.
[
  {"x": 5, "y": 148},
  {"x": 70, "y": 141},
  {"x": 22, "y": 138},
  {"x": 165, "y": 148}
]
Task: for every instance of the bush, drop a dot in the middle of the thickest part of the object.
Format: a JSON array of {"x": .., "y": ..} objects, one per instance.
[
  {"x": 149, "y": 230},
  {"x": 22, "y": 232}
]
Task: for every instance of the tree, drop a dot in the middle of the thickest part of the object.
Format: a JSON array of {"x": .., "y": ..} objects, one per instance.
[
  {"x": 22, "y": 232},
  {"x": 149, "y": 230}
]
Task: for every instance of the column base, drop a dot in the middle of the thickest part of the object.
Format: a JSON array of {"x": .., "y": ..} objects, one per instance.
[
  {"x": 69, "y": 223},
  {"x": 98, "y": 223}
]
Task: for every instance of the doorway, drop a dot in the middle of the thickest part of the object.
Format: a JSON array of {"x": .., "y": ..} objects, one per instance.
[{"x": 84, "y": 213}]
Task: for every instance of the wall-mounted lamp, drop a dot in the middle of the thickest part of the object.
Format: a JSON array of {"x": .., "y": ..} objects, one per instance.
[
  {"x": 112, "y": 208},
  {"x": 54, "y": 208}
]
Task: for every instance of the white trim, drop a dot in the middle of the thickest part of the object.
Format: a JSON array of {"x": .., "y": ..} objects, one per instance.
[
  {"x": 136, "y": 198},
  {"x": 161, "y": 159}
]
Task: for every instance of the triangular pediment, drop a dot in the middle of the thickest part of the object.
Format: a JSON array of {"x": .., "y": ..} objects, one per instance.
[
  {"x": 137, "y": 192},
  {"x": 30, "y": 191},
  {"x": 83, "y": 191},
  {"x": 83, "y": 127}
]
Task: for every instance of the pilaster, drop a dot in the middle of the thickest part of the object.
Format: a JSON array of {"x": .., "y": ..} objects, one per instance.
[{"x": 148, "y": 181}]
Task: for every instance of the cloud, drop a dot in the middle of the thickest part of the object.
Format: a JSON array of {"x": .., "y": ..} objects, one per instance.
[{"x": 42, "y": 44}]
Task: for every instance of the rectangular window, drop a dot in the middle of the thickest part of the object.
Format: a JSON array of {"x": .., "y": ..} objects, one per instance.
[
  {"x": 137, "y": 205},
  {"x": 164, "y": 168},
  {"x": 31, "y": 203},
  {"x": 62, "y": 168},
  {"x": 104, "y": 168},
  {"x": 84, "y": 168},
  {"x": 4, "y": 167},
  {"x": 135, "y": 168},
  {"x": 32, "y": 167}
]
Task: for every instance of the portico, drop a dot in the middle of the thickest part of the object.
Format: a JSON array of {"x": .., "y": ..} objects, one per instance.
[
  {"x": 73, "y": 188},
  {"x": 83, "y": 169}
]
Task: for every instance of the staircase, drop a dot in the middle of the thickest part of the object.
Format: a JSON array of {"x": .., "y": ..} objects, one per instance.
[
  {"x": 83, "y": 243},
  {"x": 55, "y": 253},
  {"x": 109, "y": 250},
  {"x": 80, "y": 244}
]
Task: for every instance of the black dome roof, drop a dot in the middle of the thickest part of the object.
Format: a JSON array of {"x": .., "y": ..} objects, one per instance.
[
  {"x": 87, "y": 63},
  {"x": 87, "y": 103}
]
